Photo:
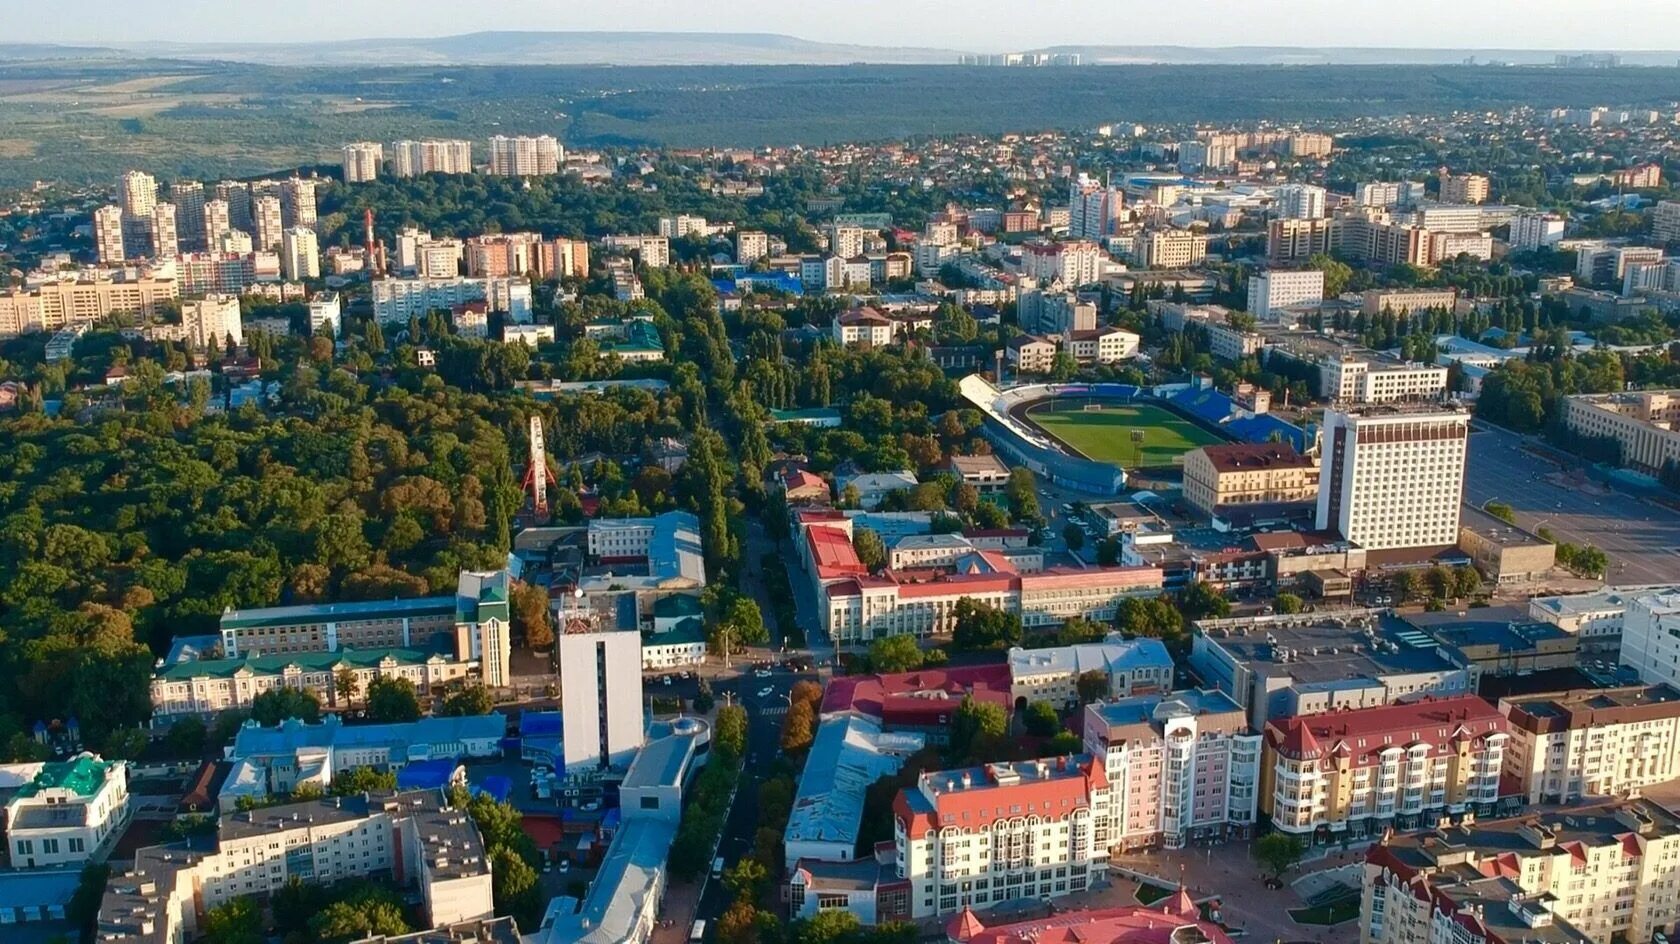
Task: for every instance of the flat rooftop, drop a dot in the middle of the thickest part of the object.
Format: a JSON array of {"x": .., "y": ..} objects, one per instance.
[
  {"x": 1328, "y": 646},
  {"x": 1494, "y": 529}
]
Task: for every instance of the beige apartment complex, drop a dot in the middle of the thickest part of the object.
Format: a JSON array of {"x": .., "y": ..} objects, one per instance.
[
  {"x": 55, "y": 305},
  {"x": 1584, "y": 874},
  {"x": 1361, "y": 380},
  {"x": 1646, "y": 423},
  {"x": 1245, "y": 473},
  {"x": 1599, "y": 742},
  {"x": 1351, "y": 774},
  {"x": 1464, "y": 188}
]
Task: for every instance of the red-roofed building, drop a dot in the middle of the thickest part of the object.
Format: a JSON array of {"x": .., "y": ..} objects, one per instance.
[
  {"x": 1029, "y": 829},
  {"x": 801, "y": 486},
  {"x": 830, "y": 554},
  {"x": 1353, "y": 773},
  {"x": 922, "y": 701},
  {"x": 1176, "y": 920}
]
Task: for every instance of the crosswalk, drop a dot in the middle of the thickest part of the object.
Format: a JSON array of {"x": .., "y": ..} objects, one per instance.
[{"x": 773, "y": 711}]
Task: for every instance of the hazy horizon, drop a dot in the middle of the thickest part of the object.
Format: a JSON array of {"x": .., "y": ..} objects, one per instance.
[{"x": 979, "y": 25}]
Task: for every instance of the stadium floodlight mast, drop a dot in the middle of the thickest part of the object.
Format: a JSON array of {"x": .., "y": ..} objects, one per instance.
[{"x": 1137, "y": 447}]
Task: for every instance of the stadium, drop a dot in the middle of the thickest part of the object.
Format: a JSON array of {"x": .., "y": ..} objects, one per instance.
[{"x": 1085, "y": 436}]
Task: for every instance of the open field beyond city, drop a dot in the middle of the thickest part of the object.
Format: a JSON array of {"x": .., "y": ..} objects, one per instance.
[{"x": 1105, "y": 434}]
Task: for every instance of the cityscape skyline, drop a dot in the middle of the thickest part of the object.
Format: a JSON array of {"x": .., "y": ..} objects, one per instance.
[{"x": 1483, "y": 24}]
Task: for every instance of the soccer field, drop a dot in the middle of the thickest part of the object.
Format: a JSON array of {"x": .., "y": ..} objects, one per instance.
[{"x": 1106, "y": 434}]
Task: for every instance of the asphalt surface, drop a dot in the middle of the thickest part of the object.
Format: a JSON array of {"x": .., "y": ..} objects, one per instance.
[
  {"x": 764, "y": 728},
  {"x": 1641, "y": 538}
]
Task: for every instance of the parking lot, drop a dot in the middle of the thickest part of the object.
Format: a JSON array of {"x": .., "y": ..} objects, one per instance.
[{"x": 1641, "y": 538}]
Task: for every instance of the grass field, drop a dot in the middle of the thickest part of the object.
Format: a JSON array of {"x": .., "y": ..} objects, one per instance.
[{"x": 1106, "y": 434}]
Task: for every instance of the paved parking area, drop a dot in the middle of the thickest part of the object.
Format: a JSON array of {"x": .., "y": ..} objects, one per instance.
[{"x": 1641, "y": 538}]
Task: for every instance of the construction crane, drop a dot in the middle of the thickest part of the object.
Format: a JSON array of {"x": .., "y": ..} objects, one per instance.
[{"x": 537, "y": 475}]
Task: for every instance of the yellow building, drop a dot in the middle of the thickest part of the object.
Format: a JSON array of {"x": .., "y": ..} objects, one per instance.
[{"x": 1244, "y": 473}]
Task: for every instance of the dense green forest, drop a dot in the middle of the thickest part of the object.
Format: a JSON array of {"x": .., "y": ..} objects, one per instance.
[{"x": 210, "y": 121}]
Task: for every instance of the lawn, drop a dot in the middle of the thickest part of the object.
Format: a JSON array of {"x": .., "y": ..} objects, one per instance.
[
  {"x": 1335, "y": 911},
  {"x": 1106, "y": 434}
]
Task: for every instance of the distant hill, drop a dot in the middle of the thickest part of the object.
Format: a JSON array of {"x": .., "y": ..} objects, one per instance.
[
  {"x": 31, "y": 52},
  {"x": 1332, "y": 55},
  {"x": 556, "y": 48}
]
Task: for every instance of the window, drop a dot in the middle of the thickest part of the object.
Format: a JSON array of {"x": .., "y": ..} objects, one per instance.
[{"x": 650, "y": 803}]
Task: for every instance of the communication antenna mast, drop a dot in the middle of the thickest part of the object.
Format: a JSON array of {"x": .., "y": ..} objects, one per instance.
[{"x": 537, "y": 475}]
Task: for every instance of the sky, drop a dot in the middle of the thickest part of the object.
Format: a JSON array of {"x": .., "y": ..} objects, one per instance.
[{"x": 977, "y": 25}]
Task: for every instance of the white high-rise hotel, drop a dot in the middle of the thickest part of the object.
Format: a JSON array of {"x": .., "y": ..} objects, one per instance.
[
  {"x": 1393, "y": 477},
  {"x": 525, "y": 156}
]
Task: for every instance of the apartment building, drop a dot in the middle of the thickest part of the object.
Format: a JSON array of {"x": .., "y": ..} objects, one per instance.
[
  {"x": 1295, "y": 240},
  {"x": 1390, "y": 193},
  {"x": 1245, "y": 473},
  {"x": 415, "y": 837},
  {"x": 1392, "y": 477},
  {"x": 1665, "y": 222},
  {"x": 1275, "y": 289},
  {"x": 1170, "y": 248},
  {"x": 1586, "y": 874},
  {"x": 413, "y": 158},
  {"x": 1002, "y": 832},
  {"x": 439, "y": 258},
  {"x": 166, "y": 235},
  {"x": 1311, "y": 144},
  {"x": 360, "y": 161},
  {"x": 751, "y": 246},
  {"x": 68, "y": 814},
  {"x": 1463, "y": 188},
  {"x": 1070, "y": 263},
  {"x": 1568, "y": 746},
  {"x": 267, "y": 228},
  {"x": 1130, "y": 666},
  {"x": 1093, "y": 208},
  {"x": 1352, "y": 774},
  {"x": 1182, "y": 767},
  {"x": 1530, "y": 231},
  {"x": 525, "y": 156},
  {"x": 108, "y": 242},
  {"x": 401, "y": 299},
  {"x": 1645, "y": 423},
  {"x": 1299, "y": 201},
  {"x": 300, "y": 255},
  {"x": 1349, "y": 379},
  {"x": 54, "y": 305},
  {"x": 211, "y": 322},
  {"x": 297, "y": 202}
]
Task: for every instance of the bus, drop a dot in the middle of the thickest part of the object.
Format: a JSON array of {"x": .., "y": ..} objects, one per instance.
[{"x": 697, "y": 933}]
